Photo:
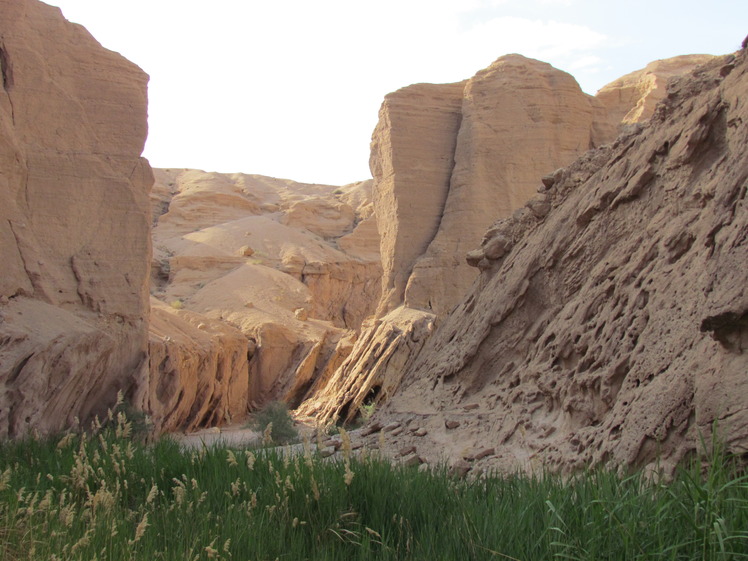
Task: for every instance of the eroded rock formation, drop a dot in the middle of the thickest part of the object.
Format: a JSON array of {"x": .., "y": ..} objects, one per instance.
[
  {"x": 198, "y": 375},
  {"x": 611, "y": 329},
  {"x": 633, "y": 97},
  {"x": 293, "y": 267},
  {"x": 448, "y": 160},
  {"x": 74, "y": 232}
]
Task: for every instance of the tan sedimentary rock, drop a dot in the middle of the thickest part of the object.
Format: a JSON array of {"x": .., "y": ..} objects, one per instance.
[
  {"x": 285, "y": 263},
  {"x": 322, "y": 216},
  {"x": 521, "y": 118},
  {"x": 450, "y": 160},
  {"x": 373, "y": 369},
  {"x": 198, "y": 375},
  {"x": 213, "y": 221},
  {"x": 615, "y": 329},
  {"x": 633, "y": 97},
  {"x": 412, "y": 156},
  {"x": 74, "y": 221}
]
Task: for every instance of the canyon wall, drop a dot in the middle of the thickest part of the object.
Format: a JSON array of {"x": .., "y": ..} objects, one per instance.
[
  {"x": 613, "y": 328},
  {"x": 74, "y": 227},
  {"x": 450, "y": 159},
  {"x": 292, "y": 268},
  {"x": 76, "y": 325},
  {"x": 582, "y": 298}
]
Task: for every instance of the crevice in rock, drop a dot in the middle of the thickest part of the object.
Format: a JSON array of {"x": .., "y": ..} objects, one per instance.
[
  {"x": 6, "y": 69},
  {"x": 33, "y": 278},
  {"x": 18, "y": 368},
  {"x": 730, "y": 329}
]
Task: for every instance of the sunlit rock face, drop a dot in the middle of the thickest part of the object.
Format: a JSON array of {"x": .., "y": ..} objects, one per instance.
[
  {"x": 633, "y": 97},
  {"x": 613, "y": 328},
  {"x": 448, "y": 160},
  {"x": 74, "y": 221},
  {"x": 293, "y": 267}
]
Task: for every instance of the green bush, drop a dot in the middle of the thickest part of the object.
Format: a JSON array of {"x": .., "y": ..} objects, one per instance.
[{"x": 282, "y": 430}]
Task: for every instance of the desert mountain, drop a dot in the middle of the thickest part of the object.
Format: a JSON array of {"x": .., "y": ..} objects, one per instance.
[
  {"x": 534, "y": 276},
  {"x": 449, "y": 160},
  {"x": 290, "y": 269},
  {"x": 612, "y": 328}
]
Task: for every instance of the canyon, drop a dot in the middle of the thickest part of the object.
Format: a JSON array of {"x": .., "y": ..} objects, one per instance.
[{"x": 534, "y": 277}]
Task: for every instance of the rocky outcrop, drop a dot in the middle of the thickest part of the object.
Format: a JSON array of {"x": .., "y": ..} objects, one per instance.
[
  {"x": 450, "y": 159},
  {"x": 521, "y": 118},
  {"x": 373, "y": 368},
  {"x": 633, "y": 97},
  {"x": 612, "y": 328},
  {"x": 198, "y": 375},
  {"x": 412, "y": 156},
  {"x": 291, "y": 266},
  {"x": 74, "y": 221}
]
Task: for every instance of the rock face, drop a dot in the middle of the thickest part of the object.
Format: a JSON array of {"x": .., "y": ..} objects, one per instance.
[
  {"x": 521, "y": 118},
  {"x": 293, "y": 267},
  {"x": 366, "y": 376},
  {"x": 198, "y": 374},
  {"x": 412, "y": 157},
  {"x": 633, "y": 97},
  {"x": 612, "y": 329},
  {"x": 74, "y": 227},
  {"x": 448, "y": 160}
]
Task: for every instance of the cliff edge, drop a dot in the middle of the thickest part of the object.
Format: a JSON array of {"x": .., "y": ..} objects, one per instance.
[
  {"x": 74, "y": 221},
  {"x": 612, "y": 329}
]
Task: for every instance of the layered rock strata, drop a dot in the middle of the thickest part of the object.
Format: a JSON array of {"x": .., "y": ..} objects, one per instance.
[
  {"x": 520, "y": 119},
  {"x": 198, "y": 375},
  {"x": 448, "y": 160},
  {"x": 613, "y": 328},
  {"x": 74, "y": 228},
  {"x": 633, "y": 97},
  {"x": 294, "y": 267},
  {"x": 412, "y": 158},
  {"x": 373, "y": 368}
]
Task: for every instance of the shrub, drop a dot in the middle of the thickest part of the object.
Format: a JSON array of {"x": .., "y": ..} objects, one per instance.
[
  {"x": 276, "y": 413},
  {"x": 367, "y": 410}
]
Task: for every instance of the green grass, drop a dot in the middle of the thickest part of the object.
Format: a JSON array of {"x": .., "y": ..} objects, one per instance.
[{"x": 105, "y": 496}]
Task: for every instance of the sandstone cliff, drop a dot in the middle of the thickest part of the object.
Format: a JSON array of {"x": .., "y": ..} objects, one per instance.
[
  {"x": 447, "y": 161},
  {"x": 612, "y": 329},
  {"x": 412, "y": 157},
  {"x": 198, "y": 375},
  {"x": 74, "y": 229},
  {"x": 633, "y": 97},
  {"x": 293, "y": 267}
]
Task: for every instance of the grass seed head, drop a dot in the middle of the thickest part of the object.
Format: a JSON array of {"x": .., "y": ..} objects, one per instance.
[
  {"x": 140, "y": 530},
  {"x": 348, "y": 476},
  {"x": 267, "y": 438},
  {"x": 66, "y": 440},
  {"x": 5, "y": 479},
  {"x": 347, "y": 448},
  {"x": 152, "y": 494},
  {"x": 231, "y": 459}
]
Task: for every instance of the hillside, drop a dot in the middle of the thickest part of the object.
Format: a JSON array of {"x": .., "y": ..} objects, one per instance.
[{"x": 611, "y": 329}]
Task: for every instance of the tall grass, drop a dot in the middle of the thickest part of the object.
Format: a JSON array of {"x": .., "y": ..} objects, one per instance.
[{"x": 104, "y": 496}]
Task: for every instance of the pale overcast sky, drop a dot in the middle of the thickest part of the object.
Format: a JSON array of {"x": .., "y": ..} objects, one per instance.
[{"x": 291, "y": 88}]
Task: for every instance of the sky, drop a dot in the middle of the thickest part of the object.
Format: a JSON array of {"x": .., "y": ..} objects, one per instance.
[{"x": 292, "y": 88}]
